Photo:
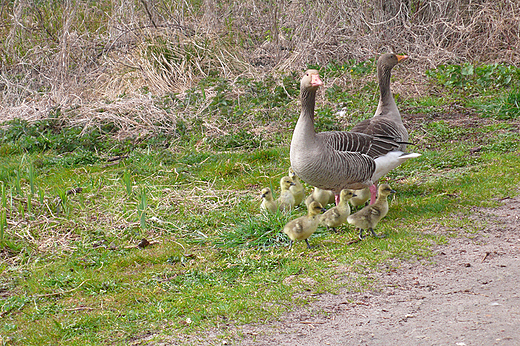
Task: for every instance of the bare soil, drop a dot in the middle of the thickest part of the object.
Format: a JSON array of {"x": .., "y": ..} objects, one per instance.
[{"x": 467, "y": 294}]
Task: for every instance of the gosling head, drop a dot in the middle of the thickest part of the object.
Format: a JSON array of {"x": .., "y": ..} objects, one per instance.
[
  {"x": 385, "y": 190},
  {"x": 316, "y": 208},
  {"x": 292, "y": 174},
  {"x": 286, "y": 183},
  {"x": 311, "y": 80},
  {"x": 266, "y": 193},
  {"x": 389, "y": 60},
  {"x": 346, "y": 194}
]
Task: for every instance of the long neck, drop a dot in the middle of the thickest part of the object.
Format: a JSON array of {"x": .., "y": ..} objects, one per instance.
[
  {"x": 386, "y": 100},
  {"x": 304, "y": 133},
  {"x": 308, "y": 99}
]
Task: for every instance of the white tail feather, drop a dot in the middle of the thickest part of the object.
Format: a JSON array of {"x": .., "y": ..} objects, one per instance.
[{"x": 386, "y": 163}]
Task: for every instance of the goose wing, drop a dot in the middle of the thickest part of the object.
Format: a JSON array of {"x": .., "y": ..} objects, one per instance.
[
  {"x": 347, "y": 168},
  {"x": 381, "y": 127},
  {"x": 373, "y": 146}
]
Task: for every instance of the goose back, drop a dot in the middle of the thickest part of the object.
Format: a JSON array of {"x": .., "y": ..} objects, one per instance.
[{"x": 373, "y": 145}]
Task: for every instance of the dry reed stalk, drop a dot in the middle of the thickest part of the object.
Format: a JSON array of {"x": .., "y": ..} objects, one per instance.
[{"x": 78, "y": 54}]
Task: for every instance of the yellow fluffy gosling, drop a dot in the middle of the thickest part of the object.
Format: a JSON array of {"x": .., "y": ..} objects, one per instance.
[
  {"x": 361, "y": 198},
  {"x": 297, "y": 190},
  {"x": 286, "y": 199},
  {"x": 336, "y": 216},
  {"x": 368, "y": 217},
  {"x": 304, "y": 226},
  {"x": 268, "y": 203},
  {"x": 324, "y": 197}
]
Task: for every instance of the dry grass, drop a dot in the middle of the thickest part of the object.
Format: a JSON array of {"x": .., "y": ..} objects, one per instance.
[
  {"x": 59, "y": 232},
  {"x": 77, "y": 56}
]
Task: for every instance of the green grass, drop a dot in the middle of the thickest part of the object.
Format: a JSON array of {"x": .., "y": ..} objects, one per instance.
[{"x": 71, "y": 270}]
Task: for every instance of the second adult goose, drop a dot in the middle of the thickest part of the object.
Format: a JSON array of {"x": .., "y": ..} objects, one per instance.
[
  {"x": 338, "y": 160},
  {"x": 387, "y": 120}
]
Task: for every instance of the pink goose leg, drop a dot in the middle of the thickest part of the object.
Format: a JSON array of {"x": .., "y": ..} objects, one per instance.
[{"x": 373, "y": 194}]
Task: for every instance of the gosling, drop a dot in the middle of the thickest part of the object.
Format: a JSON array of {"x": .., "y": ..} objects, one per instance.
[
  {"x": 304, "y": 226},
  {"x": 286, "y": 199},
  {"x": 297, "y": 190},
  {"x": 324, "y": 197},
  {"x": 361, "y": 198},
  {"x": 336, "y": 216},
  {"x": 268, "y": 204},
  {"x": 368, "y": 217}
]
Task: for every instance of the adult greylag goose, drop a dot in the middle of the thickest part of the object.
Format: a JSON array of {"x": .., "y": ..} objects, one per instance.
[
  {"x": 286, "y": 199},
  {"x": 297, "y": 189},
  {"x": 387, "y": 120},
  {"x": 268, "y": 203},
  {"x": 337, "y": 216},
  {"x": 338, "y": 160},
  {"x": 304, "y": 226},
  {"x": 368, "y": 217}
]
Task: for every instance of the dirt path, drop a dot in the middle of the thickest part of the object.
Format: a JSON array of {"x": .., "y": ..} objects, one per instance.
[{"x": 470, "y": 296}]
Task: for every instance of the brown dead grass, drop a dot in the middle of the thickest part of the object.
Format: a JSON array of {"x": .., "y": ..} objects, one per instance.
[{"x": 77, "y": 56}]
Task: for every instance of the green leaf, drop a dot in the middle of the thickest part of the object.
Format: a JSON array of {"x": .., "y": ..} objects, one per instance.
[{"x": 467, "y": 70}]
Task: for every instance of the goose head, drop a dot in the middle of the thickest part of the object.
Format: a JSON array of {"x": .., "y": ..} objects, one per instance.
[
  {"x": 385, "y": 190},
  {"x": 311, "y": 80},
  {"x": 389, "y": 60}
]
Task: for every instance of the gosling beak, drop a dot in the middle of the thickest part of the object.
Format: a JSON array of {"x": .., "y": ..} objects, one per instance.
[
  {"x": 354, "y": 195},
  {"x": 393, "y": 191},
  {"x": 401, "y": 57},
  {"x": 292, "y": 184},
  {"x": 263, "y": 195},
  {"x": 323, "y": 210}
]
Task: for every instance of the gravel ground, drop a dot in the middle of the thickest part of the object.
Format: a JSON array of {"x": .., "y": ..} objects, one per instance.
[{"x": 468, "y": 296}]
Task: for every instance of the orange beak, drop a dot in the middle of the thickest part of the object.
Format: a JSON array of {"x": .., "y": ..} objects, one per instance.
[
  {"x": 401, "y": 57},
  {"x": 315, "y": 80}
]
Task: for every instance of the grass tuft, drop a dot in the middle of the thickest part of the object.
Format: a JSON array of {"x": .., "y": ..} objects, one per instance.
[{"x": 262, "y": 231}]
